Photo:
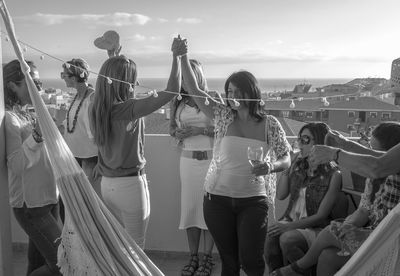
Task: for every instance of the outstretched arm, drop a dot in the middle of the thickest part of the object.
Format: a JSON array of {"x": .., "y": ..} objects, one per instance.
[
  {"x": 335, "y": 139},
  {"x": 365, "y": 165},
  {"x": 150, "y": 104},
  {"x": 199, "y": 95}
]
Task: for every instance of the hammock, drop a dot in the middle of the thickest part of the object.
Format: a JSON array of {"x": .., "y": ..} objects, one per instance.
[
  {"x": 379, "y": 254},
  {"x": 92, "y": 242}
]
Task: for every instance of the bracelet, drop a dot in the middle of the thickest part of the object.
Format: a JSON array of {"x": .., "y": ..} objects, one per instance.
[
  {"x": 36, "y": 136},
  {"x": 336, "y": 159},
  {"x": 271, "y": 167}
]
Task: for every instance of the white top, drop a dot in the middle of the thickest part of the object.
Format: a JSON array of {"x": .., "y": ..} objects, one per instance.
[
  {"x": 190, "y": 116},
  {"x": 299, "y": 210},
  {"x": 30, "y": 175},
  {"x": 234, "y": 179},
  {"x": 81, "y": 140}
]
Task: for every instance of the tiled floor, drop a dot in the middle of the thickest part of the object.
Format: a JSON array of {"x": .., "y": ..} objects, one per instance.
[{"x": 170, "y": 263}]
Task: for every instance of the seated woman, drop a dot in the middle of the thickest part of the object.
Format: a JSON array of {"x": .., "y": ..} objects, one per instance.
[
  {"x": 313, "y": 193},
  {"x": 380, "y": 196}
]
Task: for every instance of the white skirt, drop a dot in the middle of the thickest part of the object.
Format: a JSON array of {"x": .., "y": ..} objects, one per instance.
[{"x": 193, "y": 173}]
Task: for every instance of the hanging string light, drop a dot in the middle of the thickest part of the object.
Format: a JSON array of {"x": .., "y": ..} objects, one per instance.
[
  {"x": 206, "y": 102},
  {"x": 82, "y": 75},
  {"x": 326, "y": 103},
  {"x": 179, "y": 97}
]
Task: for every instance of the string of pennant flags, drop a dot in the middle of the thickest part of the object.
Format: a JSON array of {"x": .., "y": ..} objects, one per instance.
[{"x": 154, "y": 93}]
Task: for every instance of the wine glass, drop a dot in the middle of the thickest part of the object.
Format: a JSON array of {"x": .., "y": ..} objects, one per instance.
[
  {"x": 255, "y": 156},
  {"x": 336, "y": 230}
]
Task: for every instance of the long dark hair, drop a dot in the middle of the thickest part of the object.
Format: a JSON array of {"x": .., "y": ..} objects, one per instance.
[
  {"x": 318, "y": 131},
  {"x": 247, "y": 83},
  {"x": 12, "y": 73}
]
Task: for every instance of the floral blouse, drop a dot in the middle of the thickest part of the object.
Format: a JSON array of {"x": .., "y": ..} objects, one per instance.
[{"x": 276, "y": 140}]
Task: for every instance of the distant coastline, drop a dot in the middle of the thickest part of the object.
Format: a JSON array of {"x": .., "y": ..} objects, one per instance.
[{"x": 266, "y": 85}]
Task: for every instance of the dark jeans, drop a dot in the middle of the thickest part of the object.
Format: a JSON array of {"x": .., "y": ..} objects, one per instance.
[
  {"x": 43, "y": 227},
  {"x": 239, "y": 228}
]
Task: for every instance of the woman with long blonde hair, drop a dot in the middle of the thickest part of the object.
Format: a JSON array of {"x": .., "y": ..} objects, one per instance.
[{"x": 117, "y": 122}]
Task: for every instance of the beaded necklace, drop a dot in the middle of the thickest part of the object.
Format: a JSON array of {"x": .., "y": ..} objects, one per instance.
[{"x": 76, "y": 113}]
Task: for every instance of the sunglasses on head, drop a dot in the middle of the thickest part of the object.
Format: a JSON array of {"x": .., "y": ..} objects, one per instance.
[{"x": 304, "y": 139}]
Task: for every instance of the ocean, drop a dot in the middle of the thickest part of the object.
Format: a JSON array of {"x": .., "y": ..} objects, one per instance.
[{"x": 217, "y": 84}]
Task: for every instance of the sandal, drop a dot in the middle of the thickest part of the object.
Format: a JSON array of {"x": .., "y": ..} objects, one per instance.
[
  {"x": 192, "y": 266},
  {"x": 206, "y": 266},
  {"x": 290, "y": 270}
]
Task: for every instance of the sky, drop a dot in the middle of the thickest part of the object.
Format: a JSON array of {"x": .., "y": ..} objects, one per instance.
[{"x": 270, "y": 38}]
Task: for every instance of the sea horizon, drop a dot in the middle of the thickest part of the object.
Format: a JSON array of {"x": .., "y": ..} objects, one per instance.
[{"x": 217, "y": 84}]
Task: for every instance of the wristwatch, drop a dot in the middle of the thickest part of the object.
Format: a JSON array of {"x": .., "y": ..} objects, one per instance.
[{"x": 205, "y": 131}]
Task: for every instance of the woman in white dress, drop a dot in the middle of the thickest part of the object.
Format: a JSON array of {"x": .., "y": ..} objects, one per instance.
[{"x": 194, "y": 132}]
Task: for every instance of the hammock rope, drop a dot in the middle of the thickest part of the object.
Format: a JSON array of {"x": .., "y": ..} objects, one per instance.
[{"x": 92, "y": 242}]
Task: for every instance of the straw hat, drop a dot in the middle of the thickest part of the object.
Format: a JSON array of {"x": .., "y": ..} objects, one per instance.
[{"x": 109, "y": 41}]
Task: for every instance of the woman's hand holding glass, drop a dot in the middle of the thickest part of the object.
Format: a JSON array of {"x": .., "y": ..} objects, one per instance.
[{"x": 260, "y": 165}]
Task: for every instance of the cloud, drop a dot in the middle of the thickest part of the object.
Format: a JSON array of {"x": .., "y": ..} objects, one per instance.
[
  {"x": 140, "y": 37},
  {"x": 116, "y": 19},
  {"x": 162, "y": 20},
  {"x": 189, "y": 20}
]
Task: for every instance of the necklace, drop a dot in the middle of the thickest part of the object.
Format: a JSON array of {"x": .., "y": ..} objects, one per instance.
[{"x": 76, "y": 113}]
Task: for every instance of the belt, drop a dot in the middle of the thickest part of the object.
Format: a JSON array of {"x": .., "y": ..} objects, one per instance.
[
  {"x": 138, "y": 173},
  {"x": 196, "y": 154}
]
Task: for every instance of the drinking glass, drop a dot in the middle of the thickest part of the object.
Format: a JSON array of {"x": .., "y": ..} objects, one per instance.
[{"x": 255, "y": 155}]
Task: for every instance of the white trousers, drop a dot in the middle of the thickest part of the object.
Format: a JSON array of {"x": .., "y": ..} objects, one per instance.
[{"x": 128, "y": 199}]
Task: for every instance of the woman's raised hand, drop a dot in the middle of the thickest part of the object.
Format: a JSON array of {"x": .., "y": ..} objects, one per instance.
[{"x": 179, "y": 46}]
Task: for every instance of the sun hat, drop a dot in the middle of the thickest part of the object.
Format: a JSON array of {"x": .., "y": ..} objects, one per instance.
[{"x": 109, "y": 41}]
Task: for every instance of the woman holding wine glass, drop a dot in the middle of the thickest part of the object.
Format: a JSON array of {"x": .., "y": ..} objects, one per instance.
[
  {"x": 235, "y": 205},
  {"x": 312, "y": 192},
  {"x": 337, "y": 242}
]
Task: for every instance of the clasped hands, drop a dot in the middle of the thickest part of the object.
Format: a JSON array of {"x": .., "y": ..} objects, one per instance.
[{"x": 179, "y": 46}]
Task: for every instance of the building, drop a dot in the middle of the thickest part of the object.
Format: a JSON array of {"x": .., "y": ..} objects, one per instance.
[{"x": 347, "y": 114}]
